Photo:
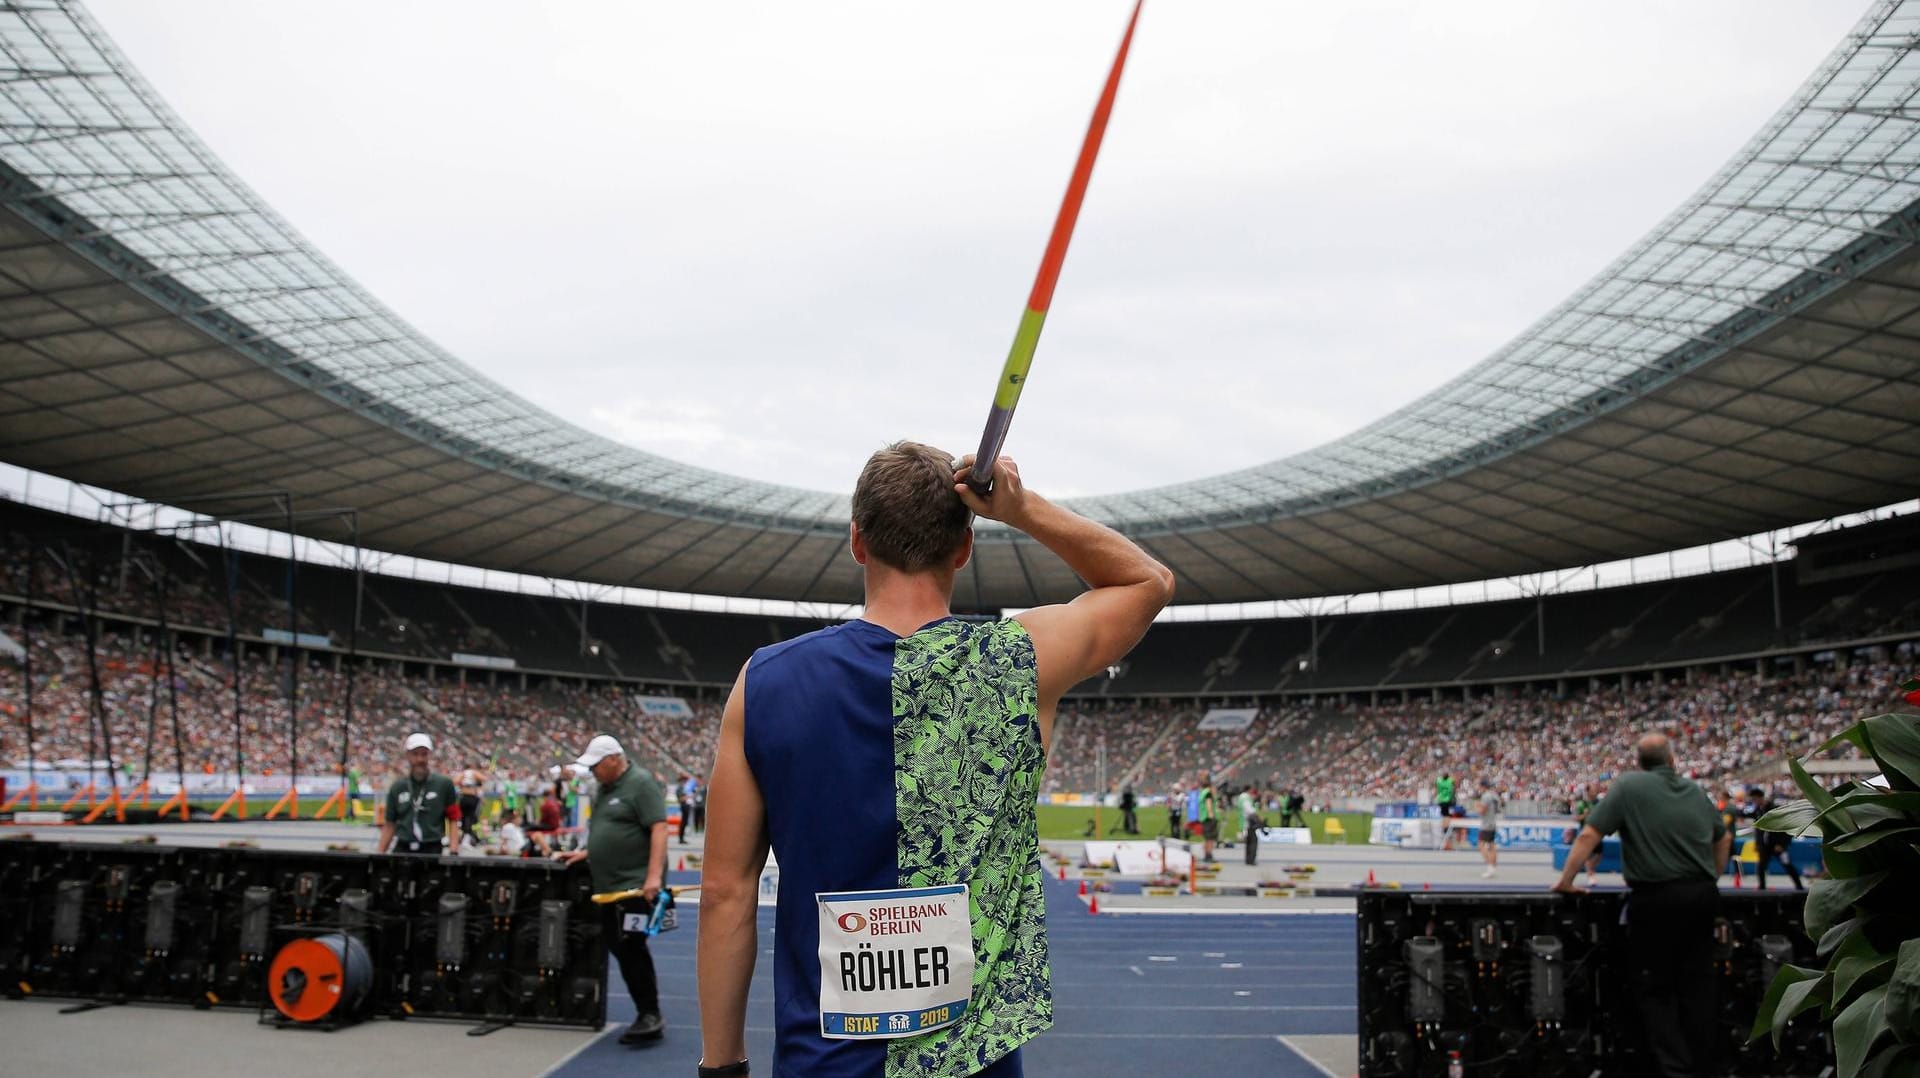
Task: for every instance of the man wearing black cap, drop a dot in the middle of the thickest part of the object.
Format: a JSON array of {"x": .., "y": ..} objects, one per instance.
[{"x": 627, "y": 850}]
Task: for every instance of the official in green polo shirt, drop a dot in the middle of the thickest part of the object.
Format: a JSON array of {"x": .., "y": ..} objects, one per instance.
[
  {"x": 419, "y": 805},
  {"x": 1674, "y": 846},
  {"x": 627, "y": 848}
]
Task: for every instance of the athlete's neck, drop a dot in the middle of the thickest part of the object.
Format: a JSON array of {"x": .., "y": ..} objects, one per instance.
[{"x": 903, "y": 602}]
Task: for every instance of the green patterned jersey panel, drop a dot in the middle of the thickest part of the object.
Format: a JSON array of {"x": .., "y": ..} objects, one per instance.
[{"x": 967, "y": 763}]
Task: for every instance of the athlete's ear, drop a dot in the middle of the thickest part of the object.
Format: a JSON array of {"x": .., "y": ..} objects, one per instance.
[
  {"x": 966, "y": 552},
  {"x": 856, "y": 543}
]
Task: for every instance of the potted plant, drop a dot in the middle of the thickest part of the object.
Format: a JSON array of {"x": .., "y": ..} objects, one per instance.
[{"x": 1864, "y": 914}]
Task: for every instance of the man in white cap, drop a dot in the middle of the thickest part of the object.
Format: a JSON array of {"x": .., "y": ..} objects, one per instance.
[
  {"x": 419, "y": 805},
  {"x": 627, "y": 850}
]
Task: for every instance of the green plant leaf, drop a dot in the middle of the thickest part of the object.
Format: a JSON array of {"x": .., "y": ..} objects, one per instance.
[
  {"x": 1837, "y": 937},
  {"x": 1842, "y": 865},
  {"x": 1829, "y": 900},
  {"x": 1868, "y": 813},
  {"x": 1791, "y": 993},
  {"x": 1858, "y": 950},
  {"x": 1860, "y": 840},
  {"x": 1896, "y": 748},
  {"x": 1794, "y": 816},
  {"x": 1854, "y": 972},
  {"x": 1854, "y": 735},
  {"x": 1869, "y": 796},
  {"x": 1898, "y": 1063},
  {"x": 1856, "y": 1029},
  {"x": 1903, "y": 993},
  {"x": 1822, "y": 800}
]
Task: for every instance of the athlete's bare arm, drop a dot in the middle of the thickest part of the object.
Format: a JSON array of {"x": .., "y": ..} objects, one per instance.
[
  {"x": 729, "y": 889},
  {"x": 1127, "y": 587}
]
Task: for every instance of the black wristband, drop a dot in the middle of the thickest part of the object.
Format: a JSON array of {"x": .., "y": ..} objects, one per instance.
[{"x": 731, "y": 1070}]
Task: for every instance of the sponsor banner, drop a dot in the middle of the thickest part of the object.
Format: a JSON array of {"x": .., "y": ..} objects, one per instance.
[
  {"x": 1286, "y": 836},
  {"x": 664, "y": 707},
  {"x": 1514, "y": 833},
  {"x": 1406, "y": 810},
  {"x": 304, "y": 640},
  {"x": 486, "y": 662},
  {"x": 1537, "y": 833},
  {"x": 1396, "y": 831},
  {"x": 1145, "y": 859},
  {"x": 1229, "y": 718},
  {"x": 166, "y": 783},
  {"x": 1804, "y": 852},
  {"x": 1138, "y": 858}
]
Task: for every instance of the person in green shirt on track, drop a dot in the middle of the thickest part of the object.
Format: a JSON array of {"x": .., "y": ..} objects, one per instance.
[
  {"x": 1209, "y": 816},
  {"x": 1674, "y": 847},
  {"x": 419, "y": 804},
  {"x": 1583, "y": 805},
  {"x": 627, "y": 850}
]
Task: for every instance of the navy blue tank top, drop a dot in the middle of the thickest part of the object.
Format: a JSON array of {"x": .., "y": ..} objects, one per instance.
[{"x": 889, "y": 762}]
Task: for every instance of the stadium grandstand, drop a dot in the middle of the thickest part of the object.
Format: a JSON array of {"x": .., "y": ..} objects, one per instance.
[
  {"x": 517, "y": 678},
  {"x": 1742, "y": 368},
  {"x": 182, "y": 356}
]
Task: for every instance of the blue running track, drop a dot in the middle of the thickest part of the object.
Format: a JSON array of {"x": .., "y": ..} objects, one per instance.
[{"x": 1133, "y": 994}]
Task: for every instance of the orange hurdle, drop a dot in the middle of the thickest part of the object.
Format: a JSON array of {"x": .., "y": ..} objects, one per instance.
[
  {"x": 180, "y": 798},
  {"x": 235, "y": 803},
  {"x": 335, "y": 803},
  {"x": 31, "y": 792},
  {"x": 114, "y": 802},
  {"x": 86, "y": 791},
  {"x": 289, "y": 803}
]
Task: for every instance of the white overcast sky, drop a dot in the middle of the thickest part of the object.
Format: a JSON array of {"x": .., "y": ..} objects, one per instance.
[{"x": 767, "y": 237}]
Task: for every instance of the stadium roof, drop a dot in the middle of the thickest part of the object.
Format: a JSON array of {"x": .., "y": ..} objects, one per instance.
[{"x": 1753, "y": 362}]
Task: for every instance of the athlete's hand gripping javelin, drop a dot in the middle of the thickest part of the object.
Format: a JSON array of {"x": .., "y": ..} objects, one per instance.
[{"x": 1006, "y": 501}]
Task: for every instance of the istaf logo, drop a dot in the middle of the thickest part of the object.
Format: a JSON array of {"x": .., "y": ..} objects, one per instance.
[{"x": 853, "y": 923}]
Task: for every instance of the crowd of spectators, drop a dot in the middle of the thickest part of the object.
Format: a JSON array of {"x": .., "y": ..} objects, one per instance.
[
  {"x": 1538, "y": 747},
  {"x": 1128, "y": 728},
  {"x": 1192, "y": 751},
  {"x": 1526, "y": 745},
  {"x": 501, "y": 729}
]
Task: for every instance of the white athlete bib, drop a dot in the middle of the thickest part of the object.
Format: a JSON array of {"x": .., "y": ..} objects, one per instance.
[{"x": 894, "y": 963}]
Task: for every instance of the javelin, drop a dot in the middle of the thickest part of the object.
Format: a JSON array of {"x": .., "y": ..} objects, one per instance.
[
  {"x": 608, "y": 897},
  {"x": 1013, "y": 376}
]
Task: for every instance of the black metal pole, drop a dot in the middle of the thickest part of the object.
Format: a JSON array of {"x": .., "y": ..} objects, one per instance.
[
  {"x": 173, "y": 690},
  {"x": 230, "y": 565},
  {"x": 353, "y": 661},
  {"x": 1773, "y": 567},
  {"x": 153, "y": 699},
  {"x": 26, "y": 666},
  {"x": 1540, "y": 623},
  {"x": 293, "y": 657},
  {"x": 96, "y": 703}
]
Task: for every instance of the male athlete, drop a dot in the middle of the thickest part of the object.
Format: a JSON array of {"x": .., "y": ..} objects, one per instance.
[{"x": 909, "y": 930}]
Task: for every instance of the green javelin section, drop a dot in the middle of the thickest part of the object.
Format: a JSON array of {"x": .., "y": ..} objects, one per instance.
[
  {"x": 967, "y": 761},
  {"x": 1013, "y": 376}
]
